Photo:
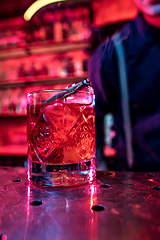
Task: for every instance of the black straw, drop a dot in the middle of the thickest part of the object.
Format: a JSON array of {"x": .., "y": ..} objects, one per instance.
[{"x": 69, "y": 91}]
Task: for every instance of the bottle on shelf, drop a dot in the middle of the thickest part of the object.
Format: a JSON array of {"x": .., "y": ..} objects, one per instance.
[
  {"x": 17, "y": 100},
  {"x": 14, "y": 100},
  {"x": 36, "y": 35},
  {"x": 43, "y": 71},
  {"x": 57, "y": 27},
  {"x": 6, "y": 101},
  {"x": 53, "y": 68},
  {"x": 42, "y": 34},
  {"x": 70, "y": 67},
  {"x": 48, "y": 21},
  {"x": 2, "y": 72},
  {"x": 22, "y": 71},
  {"x": 21, "y": 37},
  {"x": 29, "y": 37},
  {"x": 77, "y": 26},
  {"x": 23, "y": 103},
  {"x": 86, "y": 33},
  {"x": 33, "y": 71},
  {"x": 63, "y": 70},
  {"x": 65, "y": 26},
  {"x": 36, "y": 26}
]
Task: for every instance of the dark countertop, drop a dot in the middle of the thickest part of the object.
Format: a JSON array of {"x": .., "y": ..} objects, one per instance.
[{"x": 128, "y": 208}]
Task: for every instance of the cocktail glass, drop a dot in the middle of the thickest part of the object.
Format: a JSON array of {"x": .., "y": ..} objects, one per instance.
[{"x": 61, "y": 137}]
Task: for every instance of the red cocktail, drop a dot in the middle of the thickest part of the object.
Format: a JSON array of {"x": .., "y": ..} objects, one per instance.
[{"x": 61, "y": 137}]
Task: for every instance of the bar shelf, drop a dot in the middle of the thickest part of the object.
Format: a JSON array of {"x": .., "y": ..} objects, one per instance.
[
  {"x": 36, "y": 56},
  {"x": 29, "y": 50},
  {"x": 44, "y": 81}
]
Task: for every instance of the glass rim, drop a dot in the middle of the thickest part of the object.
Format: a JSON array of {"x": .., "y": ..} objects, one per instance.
[{"x": 58, "y": 90}]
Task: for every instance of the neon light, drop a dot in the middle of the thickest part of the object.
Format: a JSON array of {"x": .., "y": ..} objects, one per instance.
[{"x": 36, "y": 6}]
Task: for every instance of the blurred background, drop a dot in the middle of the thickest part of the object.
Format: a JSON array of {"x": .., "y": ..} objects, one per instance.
[{"x": 49, "y": 51}]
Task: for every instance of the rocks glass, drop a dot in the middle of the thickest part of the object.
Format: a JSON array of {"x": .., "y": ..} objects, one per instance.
[{"x": 61, "y": 137}]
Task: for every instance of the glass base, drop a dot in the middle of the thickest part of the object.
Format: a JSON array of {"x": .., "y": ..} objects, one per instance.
[{"x": 65, "y": 175}]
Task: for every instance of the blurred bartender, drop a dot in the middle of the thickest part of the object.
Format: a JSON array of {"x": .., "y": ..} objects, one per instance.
[{"x": 141, "y": 42}]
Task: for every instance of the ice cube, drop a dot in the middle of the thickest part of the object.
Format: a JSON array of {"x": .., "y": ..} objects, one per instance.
[{"x": 54, "y": 114}]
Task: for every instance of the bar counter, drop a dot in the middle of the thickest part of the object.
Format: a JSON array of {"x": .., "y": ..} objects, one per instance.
[{"x": 116, "y": 206}]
